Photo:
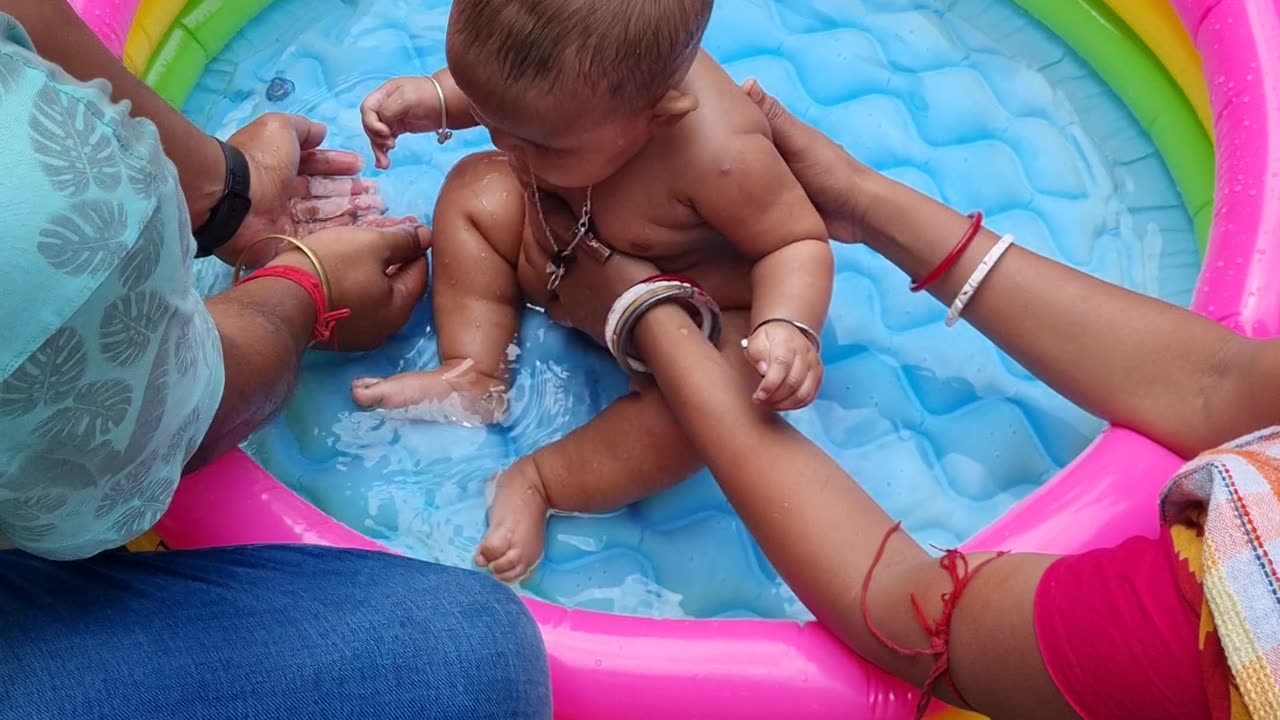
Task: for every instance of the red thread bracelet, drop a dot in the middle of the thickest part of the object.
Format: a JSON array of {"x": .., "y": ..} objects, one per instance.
[
  {"x": 954, "y": 256},
  {"x": 325, "y": 319}
]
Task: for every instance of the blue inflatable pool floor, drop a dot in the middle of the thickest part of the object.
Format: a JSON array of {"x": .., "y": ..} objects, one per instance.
[{"x": 968, "y": 100}]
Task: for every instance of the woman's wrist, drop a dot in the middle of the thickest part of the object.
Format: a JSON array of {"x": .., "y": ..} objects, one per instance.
[
  {"x": 662, "y": 329},
  {"x": 914, "y": 231},
  {"x": 203, "y": 175}
]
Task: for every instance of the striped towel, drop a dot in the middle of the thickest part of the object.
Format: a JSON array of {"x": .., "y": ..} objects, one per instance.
[{"x": 1223, "y": 510}]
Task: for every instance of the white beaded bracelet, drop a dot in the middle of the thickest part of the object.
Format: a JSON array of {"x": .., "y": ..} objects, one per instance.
[{"x": 975, "y": 281}]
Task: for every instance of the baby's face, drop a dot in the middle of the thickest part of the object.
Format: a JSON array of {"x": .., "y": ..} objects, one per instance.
[{"x": 564, "y": 140}]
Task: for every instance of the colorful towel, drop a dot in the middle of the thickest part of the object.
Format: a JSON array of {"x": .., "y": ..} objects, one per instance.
[{"x": 1224, "y": 512}]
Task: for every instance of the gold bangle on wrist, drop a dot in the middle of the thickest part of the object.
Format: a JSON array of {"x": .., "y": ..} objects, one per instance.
[{"x": 299, "y": 245}]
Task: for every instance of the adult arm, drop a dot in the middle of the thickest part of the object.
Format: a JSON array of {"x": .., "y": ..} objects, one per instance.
[
  {"x": 1175, "y": 376},
  {"x": 265, "y": 325},
  {"x": 816, "y": 525},
  {"x": 281, "y": 149},
  {"x": 61, "y": 37}
]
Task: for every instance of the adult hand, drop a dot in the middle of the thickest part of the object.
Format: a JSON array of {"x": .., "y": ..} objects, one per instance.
[
  {"x": 379, "y": 274},
  {"x": 828, "y": 173},
  {"x": 298, "y": 189}
]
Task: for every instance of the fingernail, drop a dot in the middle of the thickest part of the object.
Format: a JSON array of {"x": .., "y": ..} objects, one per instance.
[
  {"x": 762, "y": 367},
  {"x": 365, "y": 383}
]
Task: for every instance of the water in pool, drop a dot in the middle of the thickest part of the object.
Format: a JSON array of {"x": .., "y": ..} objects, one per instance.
[{"x": 968, "y": 100}]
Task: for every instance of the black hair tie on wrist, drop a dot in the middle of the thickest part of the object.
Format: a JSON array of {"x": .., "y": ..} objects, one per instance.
[{"x": 232, "y": 208}]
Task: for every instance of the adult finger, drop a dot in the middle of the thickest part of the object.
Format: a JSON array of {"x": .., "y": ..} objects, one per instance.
[
  {"x": 325, "y": 208},
  {"x": 408, "y": 284},
  {"x": 402, "y": 244},
  {"x": 305, "y": 186},
  {"x": 310, "y": 134},
  {"x": 304, "y": 229},
  {"x": 383, "y": 221},
  {"x": 790, "y": 135},
  {"x": 330, "y": 162}
]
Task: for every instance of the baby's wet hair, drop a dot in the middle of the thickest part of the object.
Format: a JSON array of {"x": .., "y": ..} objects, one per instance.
[{"x": 631, "y": 51}]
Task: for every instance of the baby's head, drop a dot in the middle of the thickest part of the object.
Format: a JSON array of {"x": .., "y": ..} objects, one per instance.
[{"x": 575, "y": 88}]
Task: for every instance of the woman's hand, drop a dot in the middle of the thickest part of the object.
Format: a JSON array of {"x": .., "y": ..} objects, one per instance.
[
  {"x": 830, "y": 175},
  {"x": 378, "y": 274},
  {"x": 298, "y": 189},
  {"x": 589, "y": 287}
]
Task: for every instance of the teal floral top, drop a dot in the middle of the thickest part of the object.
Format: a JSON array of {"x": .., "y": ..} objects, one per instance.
[{"x": 110, "y": 367}]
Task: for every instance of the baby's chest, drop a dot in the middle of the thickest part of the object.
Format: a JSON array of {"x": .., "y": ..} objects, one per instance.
[{"x": 643, "y": 219}]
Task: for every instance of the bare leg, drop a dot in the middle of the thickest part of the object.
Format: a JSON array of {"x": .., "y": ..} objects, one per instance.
[
  {"x": 632, "y": 450},
  {"x": 479, "y": 225}
]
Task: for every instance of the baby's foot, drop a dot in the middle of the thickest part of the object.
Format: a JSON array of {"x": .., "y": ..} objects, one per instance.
[
  {"x": 517, "y": 523},
  {"x": 455, "y": 389}
]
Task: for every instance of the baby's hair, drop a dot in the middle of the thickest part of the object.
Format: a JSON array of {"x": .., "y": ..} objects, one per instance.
[{"x": 629, "y": 50}]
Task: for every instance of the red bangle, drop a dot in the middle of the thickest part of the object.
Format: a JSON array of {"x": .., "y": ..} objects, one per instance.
[
  {"x": 325, "y": 319},
  {"x": 951, "y": 259}
]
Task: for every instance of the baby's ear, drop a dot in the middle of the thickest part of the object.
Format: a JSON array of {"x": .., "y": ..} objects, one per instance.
[{"x": 673, "y": 108}]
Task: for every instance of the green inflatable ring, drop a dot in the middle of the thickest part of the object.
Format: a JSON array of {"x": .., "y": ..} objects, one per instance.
[
  {"x": 1135, "y": 74},
  {"x": 1119, "y": 56}
]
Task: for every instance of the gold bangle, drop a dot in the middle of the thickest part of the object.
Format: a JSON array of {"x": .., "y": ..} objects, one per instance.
[{"x": 298, "y": 244}]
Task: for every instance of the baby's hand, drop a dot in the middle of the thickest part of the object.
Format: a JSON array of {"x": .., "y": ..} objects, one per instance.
[
  {"x": 402, "y": 105},
  {"x": 790, "y": 364}
]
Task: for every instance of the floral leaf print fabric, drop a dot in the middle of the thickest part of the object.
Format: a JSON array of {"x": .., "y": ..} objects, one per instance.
[
  {"x": 74, "y": 148},
  {"x": 88, "y": 239},
  {"x": 100, "y": 319},
  {"x": 49, "y": 376}
]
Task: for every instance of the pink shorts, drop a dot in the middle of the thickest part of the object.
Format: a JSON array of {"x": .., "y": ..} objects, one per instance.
[{"x": 1118, "y": 636}]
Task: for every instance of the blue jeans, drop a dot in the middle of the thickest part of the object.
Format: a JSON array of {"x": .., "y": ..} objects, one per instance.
[{"x": 263, "y": 633}]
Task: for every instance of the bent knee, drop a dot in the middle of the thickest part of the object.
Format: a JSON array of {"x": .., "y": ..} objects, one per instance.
[{"x": 493, "y": 635}]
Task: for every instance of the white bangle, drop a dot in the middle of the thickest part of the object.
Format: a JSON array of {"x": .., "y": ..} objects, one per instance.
[
  {"x": 620, "y": 306},
  {"x": 640, "y": 299},
  {"x": 979, "y": 274},
  {"x": 444, "y": 134}
]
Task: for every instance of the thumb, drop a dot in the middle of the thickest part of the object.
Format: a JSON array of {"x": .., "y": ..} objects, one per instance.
[
  {"x": 408, "y": 285},
  {"x": 403, "y": 244},
  {"x": 788, "y": 131},
  {"x": 310, "y": 134}
]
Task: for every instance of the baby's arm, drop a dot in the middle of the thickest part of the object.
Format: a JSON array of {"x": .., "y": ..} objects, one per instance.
[
  {"x": 412, "y": 105},
  {"x": 747, "y": 193}
]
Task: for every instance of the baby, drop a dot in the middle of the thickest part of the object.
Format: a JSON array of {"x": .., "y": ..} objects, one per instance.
[{"x": 612, "y": 106}]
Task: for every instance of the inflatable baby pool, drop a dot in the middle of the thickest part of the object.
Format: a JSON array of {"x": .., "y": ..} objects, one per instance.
[{"x": 1182, "y": 68}]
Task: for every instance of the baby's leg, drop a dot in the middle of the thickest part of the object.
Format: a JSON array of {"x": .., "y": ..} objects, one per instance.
[
  {"x": 632, "y": 450},
  {"x": 479, "y": 222}
]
